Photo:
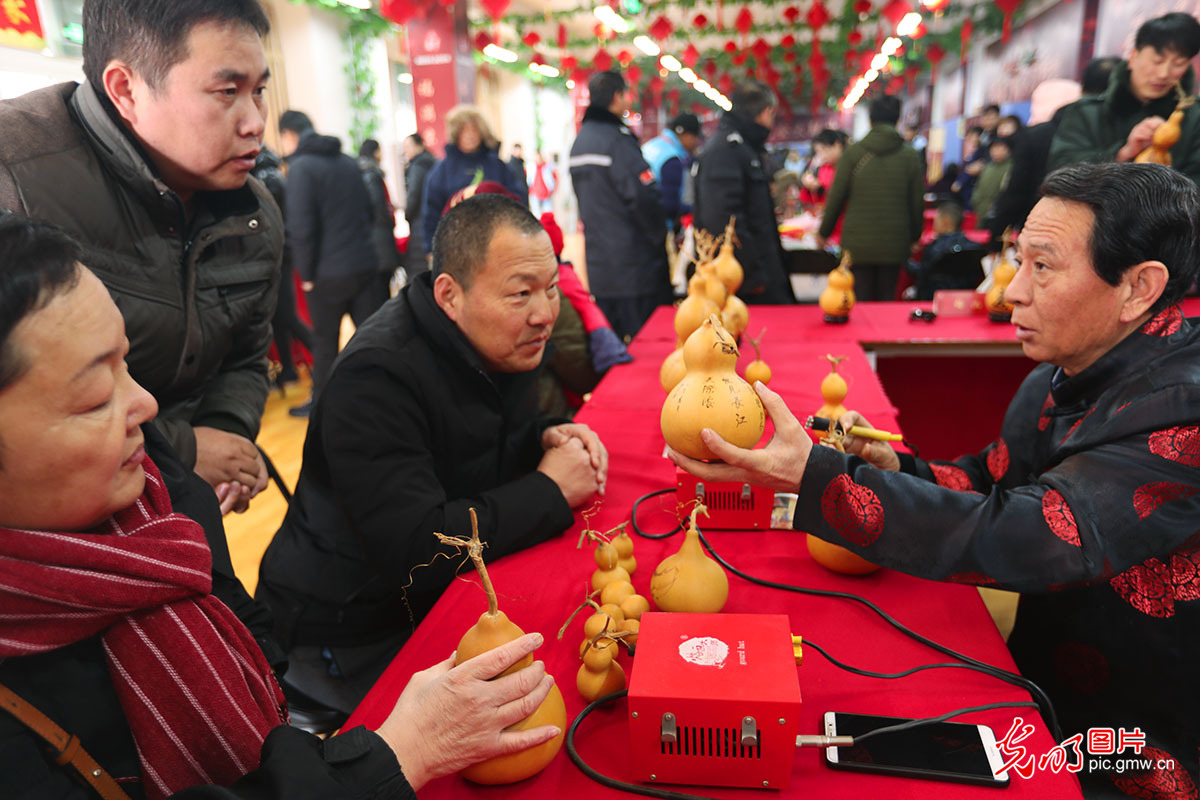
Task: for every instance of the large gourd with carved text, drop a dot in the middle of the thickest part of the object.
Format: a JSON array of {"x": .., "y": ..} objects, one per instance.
[
  {"x": 491, "y": 631},
  {"x": 711, "y": 395}
]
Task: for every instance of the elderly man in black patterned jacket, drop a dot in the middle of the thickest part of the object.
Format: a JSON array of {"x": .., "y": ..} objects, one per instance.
[
  {"x": 1088, "y": 503},
  {"x": 146, "y": 165}
]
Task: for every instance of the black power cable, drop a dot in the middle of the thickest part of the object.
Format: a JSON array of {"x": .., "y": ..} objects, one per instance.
[
  {"x": 1038, "y": 694},
  {"x": 633, "y": 518}
]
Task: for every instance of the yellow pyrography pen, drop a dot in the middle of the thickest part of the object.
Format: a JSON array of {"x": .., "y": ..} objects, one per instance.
[{"x": 822, "y": 424}]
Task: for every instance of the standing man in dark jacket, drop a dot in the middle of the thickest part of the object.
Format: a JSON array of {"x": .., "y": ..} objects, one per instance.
[
  {"x": 624, "y": 225},
  {"x": 880, "y": 188},
  {"x": 383, "y": 216},
  {"x": 329, "y": 234},
  {"x": 430, "y": 411},
  {"x": 148, "y": 172},
  {"x": 417, "y": 163},
  {"x": 732, "y": 181},
  {"x": 1142, "y": 92}
]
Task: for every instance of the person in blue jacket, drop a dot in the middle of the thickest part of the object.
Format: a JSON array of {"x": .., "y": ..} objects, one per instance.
[
  {"x": 670, "y": 156},
  {"x": 471, "y": 158}
]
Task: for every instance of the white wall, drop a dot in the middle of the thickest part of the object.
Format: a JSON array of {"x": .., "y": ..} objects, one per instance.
[
  {"x": 23, "y": 71},
  {"x": 314, "y": 58}
]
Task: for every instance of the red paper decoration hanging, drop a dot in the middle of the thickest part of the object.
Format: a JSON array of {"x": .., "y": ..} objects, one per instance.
[
  {"x": 862, "y": 7},
  {"x": 725, "y": 84},
  {"x": 851, "y": 57},
  {"x": 633, "y": 75},
  {"x": 569, "y": 63},
  {"x": 562, "y": 35},
  {"x": 495, "y": 8},
  {"x": 690, "y": 55},
  {"x": 895, "y": 84},
  {"x": 537, "y": 58},
  {"x": 761, "y": 49},
  {"x": 744, "y": 21},
  {"x": 731, "y": 47},
  {"x": 739, "y": 58},
  {"x": 710, "y": 68},
  {"x": 602, "y": 60},
  {"x": 531, "y": 38},
  {"x": 817, "y": 16},
  {"x": 624, "y": 58},
  {"x": 816, "y": 59},
  {"x": 482, "y": 40},
  {"x": 661, "y": 28},
  {"x": 910, "y": 73},
  {"x": 787, "y": 41},
  {"x": 700, "y": 22},
  {"x": 1008, "y": 7},
  {"x": 968, "y": 27},
  {"x": 895, "y": 11},
  {"x": 919, "y": 32},
  {"x": 854, "y": 38},
  {"x": 399, "y": 11},
  {"x": 791, "y": 14},
  {"x": 789, "y": 56}
]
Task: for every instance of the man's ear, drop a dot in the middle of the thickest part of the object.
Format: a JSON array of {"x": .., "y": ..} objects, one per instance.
[
  {"x": 448, "y": 294},
  {"x": 122, "y": 88},
  {"x": 1146, "y": 282}
]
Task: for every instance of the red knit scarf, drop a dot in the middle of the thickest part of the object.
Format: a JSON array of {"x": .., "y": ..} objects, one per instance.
[{"x": 196, "y": 690}]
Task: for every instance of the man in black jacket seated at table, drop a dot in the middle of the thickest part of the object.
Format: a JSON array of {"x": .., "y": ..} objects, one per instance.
[{"x": 430, "y": 411}]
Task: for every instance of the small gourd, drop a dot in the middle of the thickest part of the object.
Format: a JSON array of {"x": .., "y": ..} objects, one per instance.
[
  {"x": 1166, "y": 135},
  {"x": 836, "y": 558},
  {"x": 692, "y": 312},
  {"x": 672, "y": 370},
  {"x": 735, "y": 316},
  {"x": 757, "y": 370},
  {"x": 711, "y": 395},
  {"x": 838, "y": 297},
  {"x": 728, "y": 269},
  {"x": 689, "y": 581},
  {"x": 999, "y": 309},
  {"x": 624, "y": 545},
  {"x": 713, "y": 288},
  {"x": 833, "y": 391},
  {"x": 491, "y": 631},
  {"x": 600, "y": 673}
]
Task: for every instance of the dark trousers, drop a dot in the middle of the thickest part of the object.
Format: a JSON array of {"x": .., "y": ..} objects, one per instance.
[
  {"x": 628, "y": 314},
  {"x": 875, "y": 282},
  {"x": 286, "y": 324},
  {"x": 358, "y": 295}
]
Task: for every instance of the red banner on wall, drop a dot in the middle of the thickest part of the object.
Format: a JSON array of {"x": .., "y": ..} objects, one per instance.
[
  {"x": 20, "y": 25},
  {"x": 443, "y": 70}
]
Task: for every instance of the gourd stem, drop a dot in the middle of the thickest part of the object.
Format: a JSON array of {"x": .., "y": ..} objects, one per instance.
[{"x": 475, "y": 550}]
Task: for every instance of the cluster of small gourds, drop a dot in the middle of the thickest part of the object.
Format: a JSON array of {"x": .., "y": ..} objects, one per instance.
[{"x": 616, "y": 616}]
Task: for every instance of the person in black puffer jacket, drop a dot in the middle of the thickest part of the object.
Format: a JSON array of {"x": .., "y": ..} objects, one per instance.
[
  {"x": 329, "y": 233},
  {"x": 732, "y": 181}
]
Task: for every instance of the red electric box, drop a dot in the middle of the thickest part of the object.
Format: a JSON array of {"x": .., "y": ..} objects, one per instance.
[
  {"x": 731, "y": 506},
  {"x": 714, "y": 700}
]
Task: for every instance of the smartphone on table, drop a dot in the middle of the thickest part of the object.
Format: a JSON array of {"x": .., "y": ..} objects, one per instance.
[{"x": 947, "y": 751}]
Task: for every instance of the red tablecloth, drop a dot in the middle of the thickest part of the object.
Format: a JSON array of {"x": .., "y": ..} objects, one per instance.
[{"x": 539, "y": 587}]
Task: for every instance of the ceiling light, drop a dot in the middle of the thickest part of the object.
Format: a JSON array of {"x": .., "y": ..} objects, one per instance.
[
  {"x": 646, "y": 45},
  {"x": 361, "y": 4},
  {"x": 611, "y": 18},
  {"x": 701, "y": 85},
  {"x": 879, "y": 61},
  {"x": 499, "y": 53},
  {"x": 670, "y": 62},
  {"x": 570, "y": 83},
  {"x": 909, "y": 24},
  {"x": 404, "y": 77},
  {"x": 890, "y": 46},
  {"x": 687, "y": 76},
  {"x": 871, "y": 74},
  {"x": 549, "y": 71}
]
